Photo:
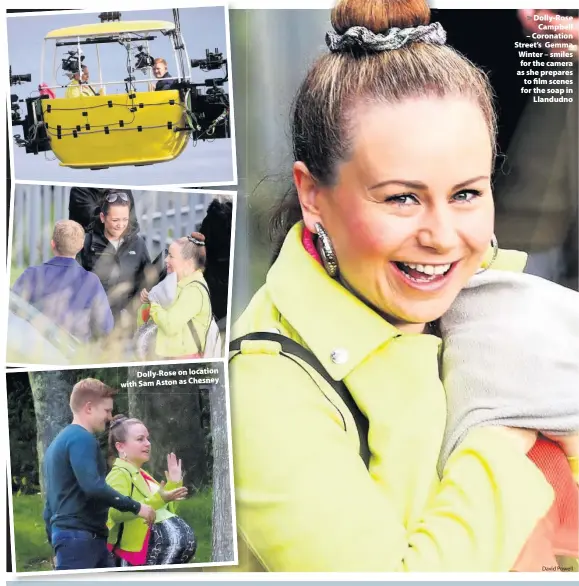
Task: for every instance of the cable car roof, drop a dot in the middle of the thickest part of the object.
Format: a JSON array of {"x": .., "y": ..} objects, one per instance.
[{"x": 107, "y": 28}]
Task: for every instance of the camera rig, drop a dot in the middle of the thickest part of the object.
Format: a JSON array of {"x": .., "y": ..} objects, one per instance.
[
  {"x": 36, "y": 138},
  {"x": 14, "y": 99},
  {"x": 208, "y": 103}
]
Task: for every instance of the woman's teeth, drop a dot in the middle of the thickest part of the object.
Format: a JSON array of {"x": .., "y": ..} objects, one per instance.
[{"x": 428, "y": 269}]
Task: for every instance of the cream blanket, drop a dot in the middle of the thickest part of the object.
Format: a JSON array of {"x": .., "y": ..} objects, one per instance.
[{"x": 510, "y": 356}]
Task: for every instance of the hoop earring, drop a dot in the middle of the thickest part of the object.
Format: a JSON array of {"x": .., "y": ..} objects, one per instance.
[
  {"x": 495, "y": 247},
  {"x": 327, "y": 252},
  {"x": 124, "y": 455}
]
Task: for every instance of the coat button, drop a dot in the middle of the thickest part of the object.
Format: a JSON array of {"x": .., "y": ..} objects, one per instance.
[{"x": 339, "y": 356}]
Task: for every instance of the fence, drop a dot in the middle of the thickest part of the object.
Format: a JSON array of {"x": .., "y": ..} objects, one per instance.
[{"x": 163, "y": 216}]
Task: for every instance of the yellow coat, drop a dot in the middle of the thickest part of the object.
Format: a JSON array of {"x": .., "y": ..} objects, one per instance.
[
  {"x": 75, "y": 90},
  {"x": 192, "y": 303},
  {"x": 305, "y": 500},
  {"x": 126, "y": 479}
]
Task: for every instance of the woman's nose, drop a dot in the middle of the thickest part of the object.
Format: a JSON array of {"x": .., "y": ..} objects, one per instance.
[{"x": 439, "y": 231}]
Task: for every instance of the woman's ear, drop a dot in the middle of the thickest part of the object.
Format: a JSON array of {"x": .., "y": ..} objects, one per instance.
[
  {"x": 309, "y": 192},
  {"x": 102, "y": 217}
]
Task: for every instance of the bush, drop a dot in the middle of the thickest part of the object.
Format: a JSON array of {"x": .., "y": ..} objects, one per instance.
[{"x": 22, "y": 423}]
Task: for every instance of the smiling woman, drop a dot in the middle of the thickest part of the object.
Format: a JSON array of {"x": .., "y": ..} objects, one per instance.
[
  {"x": 410, "y": 220},
  {"x": 116, "y": 252},
  {"x": 169, "y": 540},
  {"x": 392, "y": 215}
]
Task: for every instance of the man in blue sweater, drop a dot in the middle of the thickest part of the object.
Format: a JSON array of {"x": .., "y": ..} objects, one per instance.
[
  {"x": 65, "y": 292},
  {"x": 77, "y": 496}
]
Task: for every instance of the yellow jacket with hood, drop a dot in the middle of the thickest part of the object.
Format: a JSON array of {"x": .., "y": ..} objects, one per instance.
[{"x": 306, "y": 501}]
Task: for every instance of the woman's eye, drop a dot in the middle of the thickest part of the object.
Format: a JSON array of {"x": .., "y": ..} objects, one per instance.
[
  {"x": 402, "y": 199},
  {"x": 467, "y": 195}
]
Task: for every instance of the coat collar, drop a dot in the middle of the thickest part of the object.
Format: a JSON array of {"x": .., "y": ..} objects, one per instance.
[
  {"x": 326, "y": 316},
  {"x": 63, "y": 261},
  {"x": 136, "y": 477},
  {"x": 195, "y": 276}
]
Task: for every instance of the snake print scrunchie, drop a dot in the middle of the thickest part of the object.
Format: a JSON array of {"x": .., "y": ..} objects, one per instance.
[{"x": 359, "y": 37}]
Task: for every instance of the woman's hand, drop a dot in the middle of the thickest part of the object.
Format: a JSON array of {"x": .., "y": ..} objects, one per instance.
[
  {"x": 177, "y": 494},
  {"x": 174, "y": 472},
  {"x": 568, "y": 442},
  {"x": 144, "y": 296},
  {"x": 523, "y": 438}
]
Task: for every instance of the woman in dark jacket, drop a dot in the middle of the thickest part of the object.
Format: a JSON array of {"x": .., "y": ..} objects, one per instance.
[{"x": 116, "y": 253}]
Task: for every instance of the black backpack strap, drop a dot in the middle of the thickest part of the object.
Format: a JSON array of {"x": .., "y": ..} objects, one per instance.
[
  {"x": 290, "y": 348},
  {"x": 195, "y": 336},
  {"x": 191, "y": 327},
  {"x": 122, "y": 525}
]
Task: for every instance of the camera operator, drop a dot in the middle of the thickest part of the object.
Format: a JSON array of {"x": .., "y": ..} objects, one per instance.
[
  {"x": 160, "y": 71},
  {"x": 79, "y": 85}
]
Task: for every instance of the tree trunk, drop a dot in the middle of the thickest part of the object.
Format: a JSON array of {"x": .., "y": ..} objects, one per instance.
[
  {"x": 222, "y": 510},
  {"x": 51, "y": 393},
  {"x": 172, "y": 414}
]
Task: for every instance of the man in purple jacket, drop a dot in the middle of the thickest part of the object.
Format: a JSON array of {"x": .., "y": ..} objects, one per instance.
[{"x": 65, "y": 292}]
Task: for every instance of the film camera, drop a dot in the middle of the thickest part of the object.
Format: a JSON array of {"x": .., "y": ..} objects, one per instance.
[
  {"x": 142, "y": 59},
  {"x": 18, "y": 79},
  {"x": 72, "y": 62},
  {"x": 14, "y": 98},
  {"x": 210, "y": 103},
  {"x": 211, "y": 62},
  {"x": 33, "y": 115}
]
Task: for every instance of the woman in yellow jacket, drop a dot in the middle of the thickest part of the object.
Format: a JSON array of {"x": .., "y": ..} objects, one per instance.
[
  {"x": 184, "y": 323},
  {"x": 169, "y": 540},
  {"x": 394, "y": 142}
]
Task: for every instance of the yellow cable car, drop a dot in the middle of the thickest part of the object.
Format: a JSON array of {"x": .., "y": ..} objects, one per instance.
[{"x": 103, "y": 124}]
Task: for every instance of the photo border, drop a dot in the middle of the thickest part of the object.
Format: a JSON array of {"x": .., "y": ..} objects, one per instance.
[
  {"x": 10, "y": 503},
  {"x": 6, "y": 310},
  {"x": 126, "y": 6}
]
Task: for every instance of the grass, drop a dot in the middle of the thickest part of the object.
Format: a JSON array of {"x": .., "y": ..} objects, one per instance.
[
  {"x": 15, "y": 272},
  {"x": 33, "y": 553}
]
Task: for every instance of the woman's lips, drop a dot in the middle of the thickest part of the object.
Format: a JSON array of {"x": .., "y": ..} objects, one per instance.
[{"x": 423, "y": 281}]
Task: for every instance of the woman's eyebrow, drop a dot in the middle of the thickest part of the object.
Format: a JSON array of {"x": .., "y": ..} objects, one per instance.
[{"x": 420, "y": 185}]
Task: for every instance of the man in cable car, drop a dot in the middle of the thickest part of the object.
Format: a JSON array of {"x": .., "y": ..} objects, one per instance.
[
  {"x": 160, "y": 71},
  {"x": 79, "y": 85}
]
